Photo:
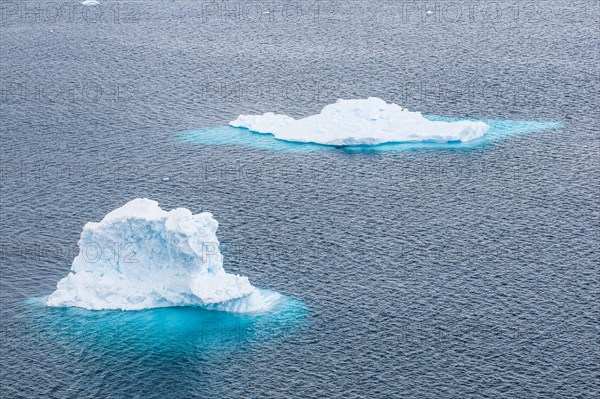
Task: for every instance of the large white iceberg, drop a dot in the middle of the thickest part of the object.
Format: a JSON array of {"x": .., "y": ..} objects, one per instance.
[
  {"x": 140, "y": 256},
  {"x": 361, "y": 122}
]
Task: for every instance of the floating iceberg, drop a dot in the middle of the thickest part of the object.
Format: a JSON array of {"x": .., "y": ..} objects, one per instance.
[
  {"x": 90, "y": 2},
  {"x": 362, "y": 122},
  {"x": 140, "y": 256}
]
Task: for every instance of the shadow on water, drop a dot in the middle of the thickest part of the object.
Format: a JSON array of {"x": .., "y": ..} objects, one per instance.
[{"x": 499, "y": 130}]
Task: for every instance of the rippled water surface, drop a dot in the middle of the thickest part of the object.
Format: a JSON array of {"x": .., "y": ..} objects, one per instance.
[{"x": 434, "y": 273}]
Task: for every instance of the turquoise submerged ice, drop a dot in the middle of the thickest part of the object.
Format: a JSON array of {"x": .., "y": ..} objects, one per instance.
[
  {"x": 230, "y": 136},
  {"x": 140, "y": 256},
  {"x": 362, "y": 122}
]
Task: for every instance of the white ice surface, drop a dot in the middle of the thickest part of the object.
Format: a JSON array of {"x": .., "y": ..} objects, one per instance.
[
  {"x": 361, "y": 122},
  {"x": 140, "y": 256}
]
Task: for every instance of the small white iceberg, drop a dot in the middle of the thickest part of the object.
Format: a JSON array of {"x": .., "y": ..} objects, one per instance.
[
  {"x": 90, "y": 2},
  {"x": 361, "y": 122},
  {"x": 140, "y": 256}
]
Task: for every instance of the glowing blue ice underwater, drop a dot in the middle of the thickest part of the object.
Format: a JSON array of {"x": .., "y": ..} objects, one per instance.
[
  {"x": 184, "y": 329},
  {"x": 499, "y": 130}
]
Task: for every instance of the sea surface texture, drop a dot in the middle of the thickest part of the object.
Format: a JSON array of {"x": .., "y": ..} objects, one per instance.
[{"x": 423, "y": 271}]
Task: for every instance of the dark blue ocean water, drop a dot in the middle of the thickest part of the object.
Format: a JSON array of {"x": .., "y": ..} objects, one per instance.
[{"x": 422, "y": 273}]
